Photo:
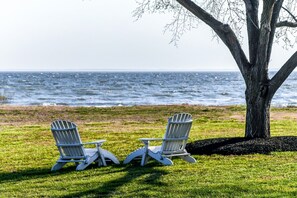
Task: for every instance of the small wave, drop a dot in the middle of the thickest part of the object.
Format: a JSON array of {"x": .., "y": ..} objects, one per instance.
[
  {"x": 148, "y": 84},
  {"x": 49, "y": 104},
  {"x": 61, "y": 104},
  {"x": 224, "y": 94},
  {"x": 162, "y": 95}
]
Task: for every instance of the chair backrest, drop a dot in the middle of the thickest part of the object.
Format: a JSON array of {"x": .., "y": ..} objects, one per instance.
[
  {"x": 67, "y": 140},
  {"x": 177, "y": 133}
]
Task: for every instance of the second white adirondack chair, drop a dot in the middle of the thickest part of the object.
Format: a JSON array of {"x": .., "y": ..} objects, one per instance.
[
  {"x": 72, "y": 149},
  {"x": 173, "y": 143}
]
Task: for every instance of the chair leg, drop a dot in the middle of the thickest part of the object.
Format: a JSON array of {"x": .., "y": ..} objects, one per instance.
[
  {"x": 188, "y": 158},
  {"x": 134, "y": 154},
  {"x": 99, "y": 162},
  {"x": 89, "y": 161},
  {"x": 164, "y": 160},
  {"x": 82, "y": 166},
  {"x": 110, "y": 156},
  {"x": 101, "y": 155},
  {"x": 147, "y": 159},
  {"x": 144, "y": 159},
  {"x": 58, "y": 166}
]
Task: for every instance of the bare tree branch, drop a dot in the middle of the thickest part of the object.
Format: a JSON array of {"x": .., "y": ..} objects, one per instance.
[
  {"x": 182, "y": 22},
  {"x": 286, "y": 29},
  {"x": 283, "y": 74},
  {"x": 252, "y": 27},
  {"x": 275, "y": 16},
  {"x": 288, "y": 11},
  {"x": 286, "y": 24},
  {"x": 264, "y": 37},
  {"x": 223, "y": 31}
]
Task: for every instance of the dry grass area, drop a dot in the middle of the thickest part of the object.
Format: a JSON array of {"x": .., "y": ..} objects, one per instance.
[
  {"x": 274, "y": 115},
  {"x": 16, "y": 115}
]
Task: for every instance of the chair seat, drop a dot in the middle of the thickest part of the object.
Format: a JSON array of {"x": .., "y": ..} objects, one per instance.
[
  {"x": 155, "y": 149},
  {"x": 90, "y": 152},
  {"x": 158, "y": 149}
]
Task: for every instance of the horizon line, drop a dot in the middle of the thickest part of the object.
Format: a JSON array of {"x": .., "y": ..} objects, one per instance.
[
  {"x": 119, "y": 71},
  {"x": 123, "y": 71}
]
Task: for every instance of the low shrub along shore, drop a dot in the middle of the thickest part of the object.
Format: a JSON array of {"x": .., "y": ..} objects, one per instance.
[{"x": 28, "y": 151}]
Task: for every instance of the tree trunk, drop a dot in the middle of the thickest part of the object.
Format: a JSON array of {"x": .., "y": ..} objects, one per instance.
[{"x": 257, "y": 112}]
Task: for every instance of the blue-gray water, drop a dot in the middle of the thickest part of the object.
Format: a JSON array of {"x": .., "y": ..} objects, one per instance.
[{"x": 126, "y": 89}]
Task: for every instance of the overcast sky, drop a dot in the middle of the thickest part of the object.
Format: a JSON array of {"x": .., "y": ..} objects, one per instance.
[{"x": 97, "y": 35}]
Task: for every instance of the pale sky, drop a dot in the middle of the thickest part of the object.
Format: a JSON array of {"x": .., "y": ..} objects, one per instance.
[{"x": 97, "y": 35}]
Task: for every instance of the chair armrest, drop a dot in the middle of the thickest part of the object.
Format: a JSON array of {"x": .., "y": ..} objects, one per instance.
[
  {"x": 96, "y": 142},
  {"x": 175, "y": 139},
  {"x": 150, "y": 139},
  {"x": 147, "y": 140}
]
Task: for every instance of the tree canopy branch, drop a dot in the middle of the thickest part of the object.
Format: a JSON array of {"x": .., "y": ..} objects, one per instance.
[
  {"x": 263, "y": 56},
  {"x": 276, "y": 12},
  {"x": 292, "y": 15},
  {"x": 252, "y": 27},
  {"x": 224, "y": 31},
  {"x": 283, "y": 74},
  {"x": 286, "y": 24}
]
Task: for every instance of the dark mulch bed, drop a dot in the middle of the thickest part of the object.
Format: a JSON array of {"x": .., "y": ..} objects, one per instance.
[{"x": 242, "y": 146}]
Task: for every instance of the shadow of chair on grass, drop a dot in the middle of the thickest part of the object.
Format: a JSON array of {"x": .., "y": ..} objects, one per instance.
[
  {"x": 29, "y": 174},
  {"x": 148, "y": 175}
]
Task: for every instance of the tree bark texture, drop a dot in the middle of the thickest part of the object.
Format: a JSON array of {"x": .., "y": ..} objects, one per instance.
[{"x": 257, "y": 112}]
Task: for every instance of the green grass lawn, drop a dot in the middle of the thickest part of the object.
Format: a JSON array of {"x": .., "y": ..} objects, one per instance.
[{"x": 28, "y": 151}]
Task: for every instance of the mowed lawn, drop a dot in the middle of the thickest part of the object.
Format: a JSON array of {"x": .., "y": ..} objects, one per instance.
[{"x": 28, "y": 151}]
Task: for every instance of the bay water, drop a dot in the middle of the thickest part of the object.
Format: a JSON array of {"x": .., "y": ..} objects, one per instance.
[{"x": 106, "y": 89}]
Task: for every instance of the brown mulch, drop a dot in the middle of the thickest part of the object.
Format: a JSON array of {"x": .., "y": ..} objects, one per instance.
[{"x": 242, "y": 146}]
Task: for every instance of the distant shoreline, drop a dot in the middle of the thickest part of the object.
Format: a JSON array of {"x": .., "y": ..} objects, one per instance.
[
  {"x": 6, "y": 106},
  {"x": 128, "y": 71},
  {"x": 118, "y": 71}
]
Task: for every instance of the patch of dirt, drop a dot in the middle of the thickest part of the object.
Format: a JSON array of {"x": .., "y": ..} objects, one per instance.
[
  {"x": 283, "y": 115},
  {"x": 239, "y": 117},
  {"x": 273, "y": 116},
  {"x": 242, "y": 146}
]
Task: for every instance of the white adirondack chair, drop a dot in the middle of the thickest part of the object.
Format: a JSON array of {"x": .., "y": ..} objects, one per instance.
[
  {"x": 72, "y": 149},
  {"x": 173, "y": 143}
]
